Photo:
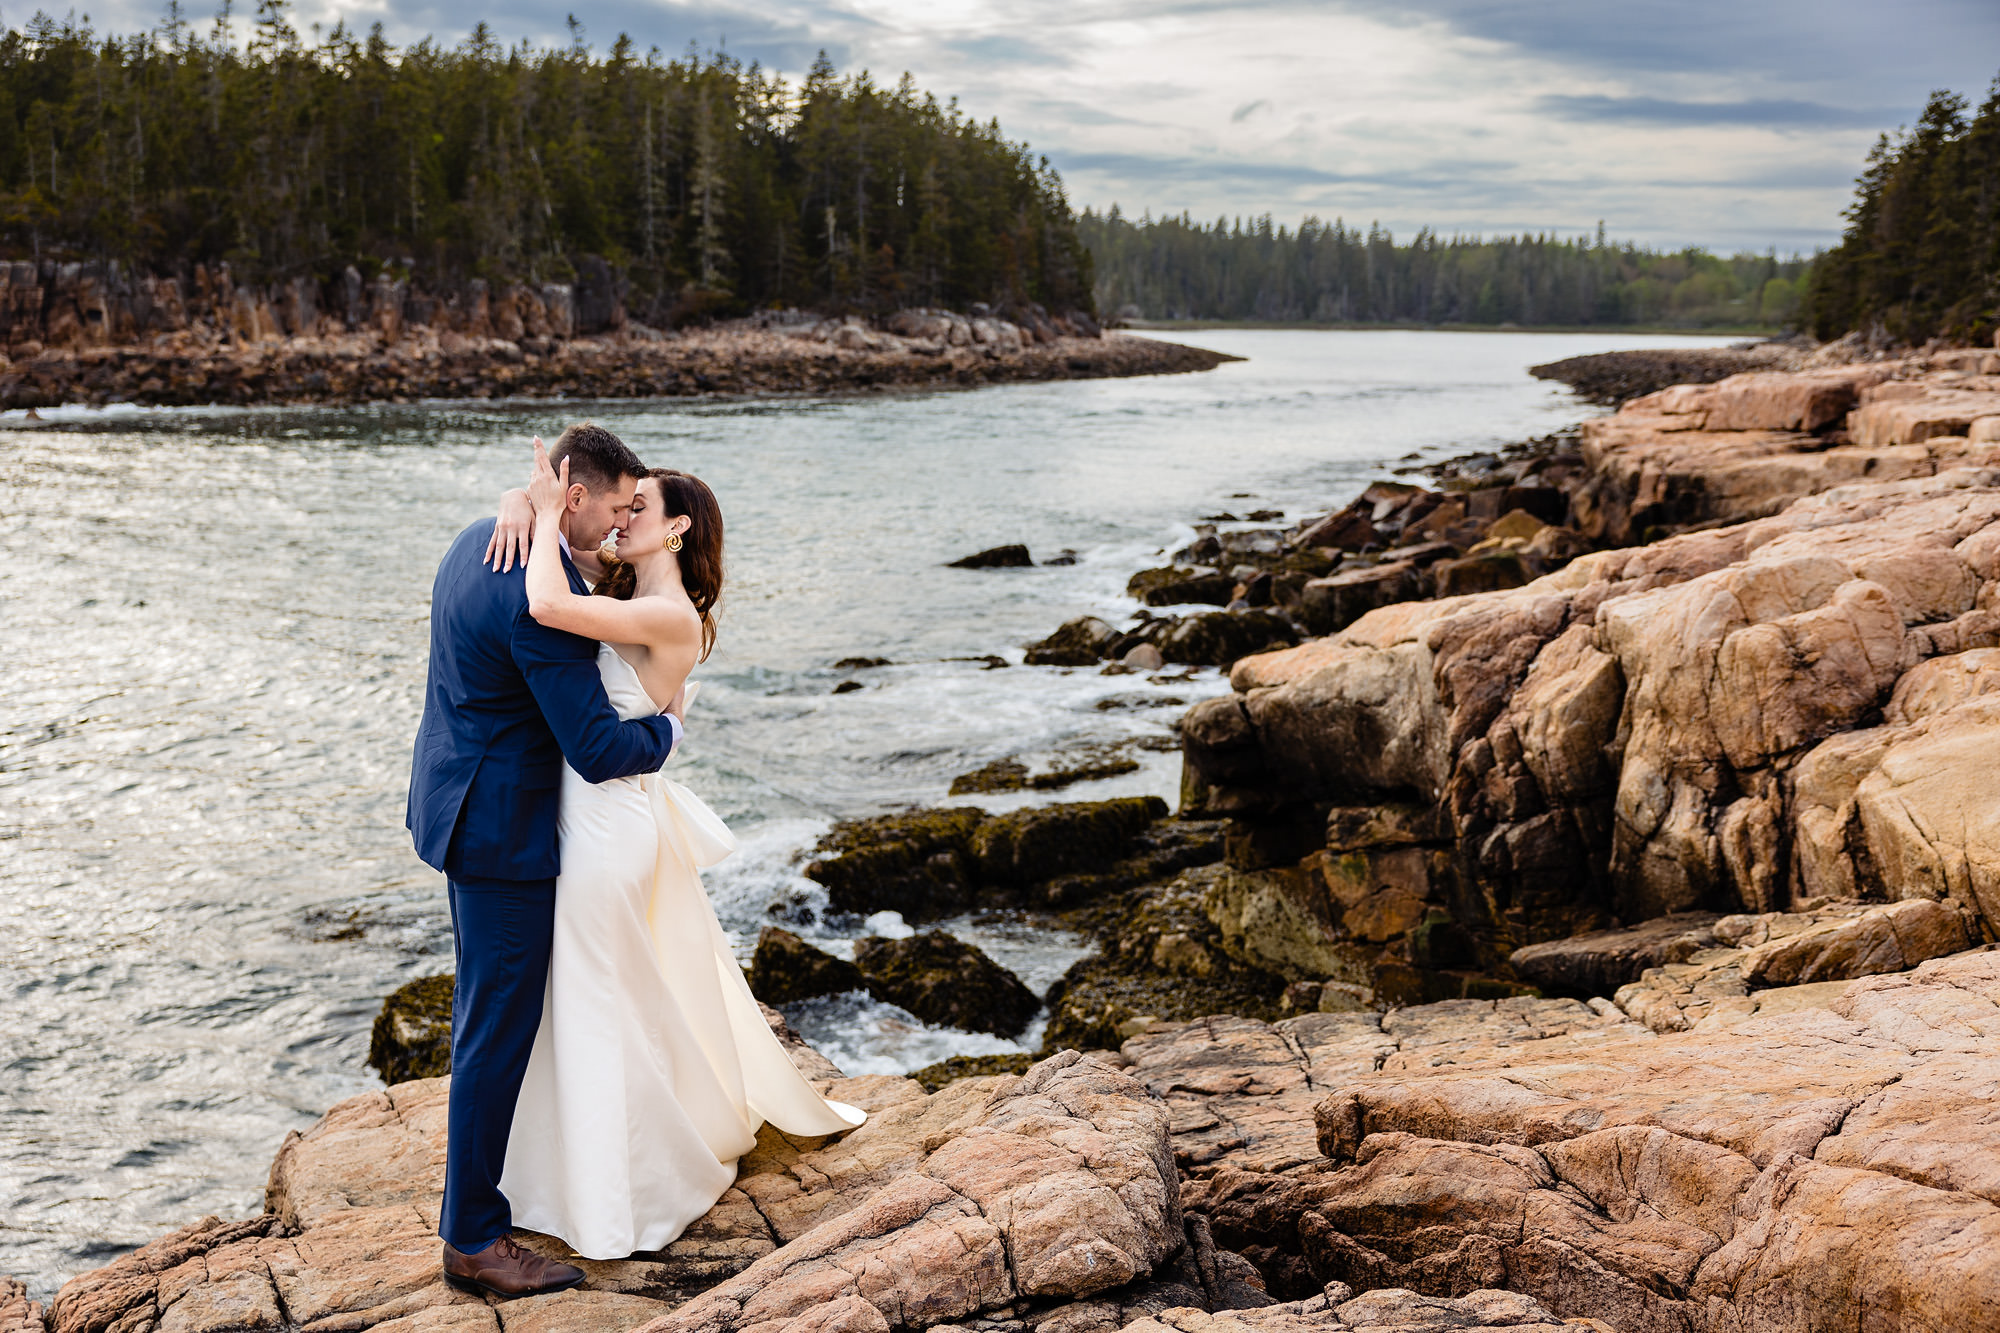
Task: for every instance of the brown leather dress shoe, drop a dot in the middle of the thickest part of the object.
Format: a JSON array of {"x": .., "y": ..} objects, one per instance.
[{"x": 506, "y": 1269}]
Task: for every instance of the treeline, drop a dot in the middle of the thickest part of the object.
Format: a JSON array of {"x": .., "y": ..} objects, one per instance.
[
  {"x": 1178, "y": 268},
  {"x": 1921, "y": 255},
  {"x": 708, "y": 185}
]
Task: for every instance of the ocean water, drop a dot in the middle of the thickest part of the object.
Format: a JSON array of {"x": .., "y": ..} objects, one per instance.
[{"x": 212, "y": 638}]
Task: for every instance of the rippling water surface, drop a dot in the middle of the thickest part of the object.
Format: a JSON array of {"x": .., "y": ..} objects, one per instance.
[{"x": 214, "y": 635}]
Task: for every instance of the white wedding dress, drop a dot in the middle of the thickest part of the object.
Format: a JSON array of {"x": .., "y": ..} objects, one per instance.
[{"x": 653, "y": 1067}]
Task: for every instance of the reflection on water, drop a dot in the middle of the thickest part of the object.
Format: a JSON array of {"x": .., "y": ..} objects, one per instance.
[{"x": 214, "y": 630}]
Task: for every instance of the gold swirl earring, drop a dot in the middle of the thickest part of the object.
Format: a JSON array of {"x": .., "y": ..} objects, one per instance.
[{"x": 673, "y": 541}]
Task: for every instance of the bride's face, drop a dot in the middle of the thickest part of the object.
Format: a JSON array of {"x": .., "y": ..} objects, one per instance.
[{"x": 646, "y": 530}]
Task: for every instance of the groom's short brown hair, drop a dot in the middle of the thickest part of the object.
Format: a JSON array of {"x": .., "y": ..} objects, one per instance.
[{"x": 597, "y": 458}]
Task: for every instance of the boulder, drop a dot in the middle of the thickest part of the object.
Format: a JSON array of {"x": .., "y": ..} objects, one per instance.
[
  {"x": 935, "y": 1077},
  {"x": 1028, "y": 847},
  {"x": 1013, "y": 775},
  {"x": 1080, "y": 642},
  {"x": 1766, "y": 400},
  {"x": 785, "y": 969},
  {"x": 1480, "y": 571},
  {"x": 1347, "y": 529},
  {"x": 1219, "y": 638},
  {"x": 997, "y": 557},
  {"x": 1599, "y": 962},
  {"x": 1331, "y": 604},
  {"x": 945, "y": 981},
  {"x": 1917, "y": 418},
  {"x": 1176, "y": 585},
  {"x": 914, "y": 863},
  {"x": 1160, "y": 959},
  {"x": 411, "y": 1038},
  {"x": 933, "y": 863}
]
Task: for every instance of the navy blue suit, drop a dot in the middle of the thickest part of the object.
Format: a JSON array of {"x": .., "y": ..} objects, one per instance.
[{"x": 508, "y": 701}]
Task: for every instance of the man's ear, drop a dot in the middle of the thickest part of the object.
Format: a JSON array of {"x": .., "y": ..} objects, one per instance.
[{"x": 573, "y": 500}]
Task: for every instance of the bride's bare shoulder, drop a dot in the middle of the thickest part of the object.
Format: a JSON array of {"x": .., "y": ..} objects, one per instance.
[{"x": 673, "y": 613}]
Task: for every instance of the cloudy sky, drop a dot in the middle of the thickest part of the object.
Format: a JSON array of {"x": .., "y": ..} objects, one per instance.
[{"x": 1726, "y": 123}]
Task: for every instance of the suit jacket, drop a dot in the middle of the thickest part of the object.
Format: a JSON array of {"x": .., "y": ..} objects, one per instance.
[{"x": 508, "y": 700}]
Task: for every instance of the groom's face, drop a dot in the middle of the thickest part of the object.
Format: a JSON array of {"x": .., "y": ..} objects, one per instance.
[{"x": 600, "y": 512}]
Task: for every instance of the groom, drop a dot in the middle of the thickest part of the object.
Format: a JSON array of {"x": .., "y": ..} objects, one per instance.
[{"x": 507, "y": 703}]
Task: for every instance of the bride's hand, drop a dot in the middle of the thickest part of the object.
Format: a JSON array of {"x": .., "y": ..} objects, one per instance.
[
  {"x": 548, "y": 486},
  {"x": 512, "y": 533}
]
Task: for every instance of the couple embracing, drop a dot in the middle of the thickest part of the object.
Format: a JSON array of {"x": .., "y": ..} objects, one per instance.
[{"x": 609, "y": 1065}]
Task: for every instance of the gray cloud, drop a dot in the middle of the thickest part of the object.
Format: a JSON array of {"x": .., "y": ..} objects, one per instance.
[
  {"x": 1005, "y": 49},
  {"x": 1763, "y": 113},
  {"x": 1239, "y": 172},
  {"x": 1857, "y": 43},
  {"x": 1249, "y": 109}
]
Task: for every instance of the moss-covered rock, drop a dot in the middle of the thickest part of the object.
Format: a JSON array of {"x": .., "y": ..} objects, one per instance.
[
  {"x": 412, "y": 1035},
  {"x": 1101, "y": 1004},
  {"x": 935, "y": 1077},
  {"x": 935, "y": 863},
  {"x": 1013, "y": 775},
  {"x": 913, "y": 863},
  {"x": 1033, "y": 846},
  {"x": 1014, "y": 556},
  {"x": 1000, "y": 775},
  {"x": 946, "y": 981},
  {"x": 1175, "y": 585},
  {"x": 1159, "y": 852},
  {"x": 1080, "y": 642},
  {"x": 1219, "y": 638},
  {"x": 785, "y": 969},
  {"x": 1159, "y": 958}
]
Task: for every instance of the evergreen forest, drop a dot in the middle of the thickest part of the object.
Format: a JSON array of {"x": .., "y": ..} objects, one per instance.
[
  {"x": 1179, "y": 268},
  {"x": 1920, "y": 258},
  {"x": 710, "y": 186}
]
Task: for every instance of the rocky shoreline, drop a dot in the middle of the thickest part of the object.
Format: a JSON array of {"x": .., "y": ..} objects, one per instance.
[
  {"x": 89, "y": 334},
  {"x": 1580, "y": 913}
]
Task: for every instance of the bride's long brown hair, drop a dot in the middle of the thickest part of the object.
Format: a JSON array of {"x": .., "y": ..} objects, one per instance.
[{"x": 682, "y": 494}]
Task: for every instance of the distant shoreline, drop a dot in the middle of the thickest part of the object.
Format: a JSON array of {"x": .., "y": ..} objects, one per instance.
[
  {"x": 364, "y": 367},
  {"x": 1647, "y": 330}
]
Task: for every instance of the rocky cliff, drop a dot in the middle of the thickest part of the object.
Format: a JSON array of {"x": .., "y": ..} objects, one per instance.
[
  {"x": 1046, "y": 1202},
  {"x": 96, "y": 333},
  {"x": 1781, "y": 704},
  {"x": 1822, "y": 1163}
]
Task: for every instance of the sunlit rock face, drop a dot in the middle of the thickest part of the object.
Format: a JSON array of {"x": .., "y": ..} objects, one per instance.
[
  {"x": 1774, "y": 711},
  {"x": 1821, "y": 1164}
]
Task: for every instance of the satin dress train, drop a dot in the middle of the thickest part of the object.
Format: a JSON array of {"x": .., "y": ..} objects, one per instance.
[{"x": 653, "y": 1067}]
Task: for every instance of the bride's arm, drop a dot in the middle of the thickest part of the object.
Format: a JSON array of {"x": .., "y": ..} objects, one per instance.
[
  {"x": 645, "y": 620},
  {"x": 514, "y": 533}
]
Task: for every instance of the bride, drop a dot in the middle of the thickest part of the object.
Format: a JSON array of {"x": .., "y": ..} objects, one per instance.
[{"x": 653, "y": 1067}]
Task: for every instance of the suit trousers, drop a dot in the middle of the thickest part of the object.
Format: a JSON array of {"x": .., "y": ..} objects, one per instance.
[{"x": 501, "y": 933}]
